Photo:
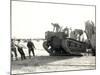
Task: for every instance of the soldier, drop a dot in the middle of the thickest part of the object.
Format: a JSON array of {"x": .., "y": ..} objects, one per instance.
[
  {"x": 56, "y": 27},
  {"x": 20, "y": 49},
  {"x": 31, "y": 47},
  {"x": 78, "y": 32},
  {"x": 66, "y": 31},
  {"x": 13, "y": 49},
  {"x": 73, "y": 35}
]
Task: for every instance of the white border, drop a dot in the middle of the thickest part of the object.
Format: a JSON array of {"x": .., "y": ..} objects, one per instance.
[{"x": 5, "y": 37}]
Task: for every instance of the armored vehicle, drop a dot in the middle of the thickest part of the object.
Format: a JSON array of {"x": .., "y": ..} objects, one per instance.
[{"x": 58, "y": 44}]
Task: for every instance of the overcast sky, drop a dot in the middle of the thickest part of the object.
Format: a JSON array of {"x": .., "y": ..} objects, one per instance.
[{"x": 32, "y": 20}]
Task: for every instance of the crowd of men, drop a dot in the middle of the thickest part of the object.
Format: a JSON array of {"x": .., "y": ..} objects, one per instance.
[
  {"x": 19, "y": 47},
  {"x": 77, "y": 34},
  {"x": 74, "y": 34}
]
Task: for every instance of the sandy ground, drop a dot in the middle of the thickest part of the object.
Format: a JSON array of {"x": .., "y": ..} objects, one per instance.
[{"x": 42, "y": 62}]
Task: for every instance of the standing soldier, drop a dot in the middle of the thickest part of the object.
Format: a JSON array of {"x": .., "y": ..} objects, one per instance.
[
  {"x": 56, "y": 27},
  {"x": 13, "y": 49},
  {"x": 20, "y": 49},
  {"x": 73, "y": 35},
  {"x": 78, "y": 32},
  {"x": 31, "y": 47},
  {"x": 66, "y": 31}
]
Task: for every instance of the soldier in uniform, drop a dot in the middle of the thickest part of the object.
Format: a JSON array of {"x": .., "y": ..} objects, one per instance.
[
  {"x": 56, "y": 27},
  {"x": 13, "y": 49},
  {"x": 31, "y": 47},
  {"x": 20, "y": 49},
  {"x": 66, "y": 31}
]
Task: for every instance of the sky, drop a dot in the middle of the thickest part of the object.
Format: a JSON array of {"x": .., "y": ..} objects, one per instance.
[{"x": 32, "y": 20}]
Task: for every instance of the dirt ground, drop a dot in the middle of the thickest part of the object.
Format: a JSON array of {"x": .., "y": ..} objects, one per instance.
[{"x": 52, "y": 63}]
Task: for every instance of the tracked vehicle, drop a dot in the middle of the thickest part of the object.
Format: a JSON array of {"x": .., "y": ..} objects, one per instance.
[{"x": 58, "y": 44}]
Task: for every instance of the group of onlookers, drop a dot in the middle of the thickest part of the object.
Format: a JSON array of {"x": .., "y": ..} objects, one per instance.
[{"x": 19, "y": 47}]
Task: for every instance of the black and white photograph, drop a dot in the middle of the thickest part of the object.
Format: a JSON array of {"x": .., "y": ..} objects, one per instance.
[{"x": 52, "y": 37}]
